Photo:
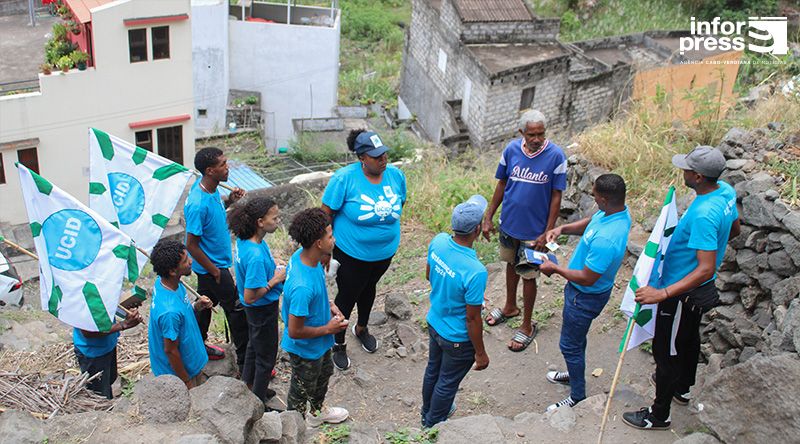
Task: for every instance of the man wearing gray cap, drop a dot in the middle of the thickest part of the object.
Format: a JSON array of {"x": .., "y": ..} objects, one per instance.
[
  {"x": 458, "y": 283},
  {"x": 685, "y": 290}
]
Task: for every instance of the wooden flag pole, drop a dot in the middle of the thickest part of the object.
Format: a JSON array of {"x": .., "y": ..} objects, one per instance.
[
  {"x": 628, "y": 334},
  {"x": 23, "y": 250}
]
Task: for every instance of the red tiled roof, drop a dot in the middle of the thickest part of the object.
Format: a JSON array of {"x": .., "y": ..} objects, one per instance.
[
  {"x": 82, "y": 8},
  {"x": 492, "y": 10}
]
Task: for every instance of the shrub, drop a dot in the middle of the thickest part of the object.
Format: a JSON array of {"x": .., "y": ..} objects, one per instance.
[
  {"x": 59, "y": 31},
  {"x": 64, "y": 63},
  {"x": 79, "y": 57}
]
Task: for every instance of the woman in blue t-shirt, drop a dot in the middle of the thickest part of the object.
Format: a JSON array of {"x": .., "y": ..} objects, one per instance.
[
  {"x": 366, "y": 200},
  {"x": 259, "y": 282}
]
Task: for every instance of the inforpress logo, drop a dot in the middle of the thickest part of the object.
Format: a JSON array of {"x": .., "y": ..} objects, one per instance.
[{"x": 767, "y": 35}]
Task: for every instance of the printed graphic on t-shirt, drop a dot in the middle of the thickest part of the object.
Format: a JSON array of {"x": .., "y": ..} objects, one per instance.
[{"x": 387, "y": 205}]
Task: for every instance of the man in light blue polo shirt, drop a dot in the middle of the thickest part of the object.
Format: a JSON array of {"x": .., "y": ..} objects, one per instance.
[
  {"x": 458, "y": 284},
  {"x": 590, "y": 277}
]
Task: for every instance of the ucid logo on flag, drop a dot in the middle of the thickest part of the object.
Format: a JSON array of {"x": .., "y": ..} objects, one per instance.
[
  {"x": 768, "y": 35},
  {"x": 73, "y": 239},
  {"x": 127, "y": 195}
]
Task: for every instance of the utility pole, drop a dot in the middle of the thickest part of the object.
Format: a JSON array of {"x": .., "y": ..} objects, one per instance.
[{"x": 31, "y": 13}]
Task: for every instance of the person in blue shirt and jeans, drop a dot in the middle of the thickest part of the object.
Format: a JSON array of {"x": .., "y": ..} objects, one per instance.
[
  {"x": 259, "y": 281},
  {"x": 590, "y": 278},
  {"x": 209, "y": 244},
  {"x": 310, "y": 319},
  {"x": 365, "y": 200},
  {"x": 96, "y": 352},
  {"x": 458, "y": 283},
  {"x": 686, "y": 287},
  {"x": 531, "y": 176},
  {"x": 174, "y": 341}
]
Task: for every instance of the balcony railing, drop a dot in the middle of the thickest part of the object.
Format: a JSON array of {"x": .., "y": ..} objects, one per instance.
[{"x": 285, "y": 13}]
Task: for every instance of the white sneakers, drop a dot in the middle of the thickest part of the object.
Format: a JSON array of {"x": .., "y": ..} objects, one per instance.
[{"x": 328, "y": 415}]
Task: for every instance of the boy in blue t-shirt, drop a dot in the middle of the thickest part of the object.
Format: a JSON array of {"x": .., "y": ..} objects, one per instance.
[
  {"x": 96, "y": 352},
  {"x": 531, "y": 176},
  {"x": 310, "y": 319},
  {"x": 686, "y": 288},
  {"x": 590, "y": 278},
  {"x": 458, "y": 283},
  {"x": 174, "y": 341},
  {"x": 209, "y": 244}
]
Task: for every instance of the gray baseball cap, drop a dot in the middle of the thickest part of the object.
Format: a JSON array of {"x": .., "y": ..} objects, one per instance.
[
  {"x": 706, "y": 160},
  {"x": 468, "y": 215}
]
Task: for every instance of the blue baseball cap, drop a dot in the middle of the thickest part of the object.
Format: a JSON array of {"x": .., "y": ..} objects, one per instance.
[
  {"x": 370, "y": 143},
  {"x": 468, "y": 215}
]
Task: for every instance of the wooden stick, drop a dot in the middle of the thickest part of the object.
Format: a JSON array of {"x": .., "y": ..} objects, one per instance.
[
  {"x": 23, "y": 250},
  {"x": 628, "y": 334}
]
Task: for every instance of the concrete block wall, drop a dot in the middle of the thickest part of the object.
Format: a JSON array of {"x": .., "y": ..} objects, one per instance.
[{"x": 508, "y": 32}]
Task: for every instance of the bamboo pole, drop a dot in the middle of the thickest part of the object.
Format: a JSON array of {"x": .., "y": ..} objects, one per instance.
[
  {"x": 23, "y": 250},
  {"x": 628, "y": 335}
]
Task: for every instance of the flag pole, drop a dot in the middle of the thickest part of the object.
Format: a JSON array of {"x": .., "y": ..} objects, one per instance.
[
  {"x": 628, "y": 334},
  {"x": 24, "y": 251},
  {"x": 188, "y": 287}
]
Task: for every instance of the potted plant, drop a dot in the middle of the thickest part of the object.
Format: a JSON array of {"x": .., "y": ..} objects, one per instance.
[
  {"x": 59, "y": 32},
  {"x": 64, "y": 63},
  {"x": 79, "y": 58},
  {"x": 73, "y": 27},
  {"x": 46, "y": 68}
]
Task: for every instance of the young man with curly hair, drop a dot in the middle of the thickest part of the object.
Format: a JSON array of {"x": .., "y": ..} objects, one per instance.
[{"x": 310, "y": 319}]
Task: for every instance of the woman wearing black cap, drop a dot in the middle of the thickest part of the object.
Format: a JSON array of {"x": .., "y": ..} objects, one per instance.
[{"x": 365, "y": 200}]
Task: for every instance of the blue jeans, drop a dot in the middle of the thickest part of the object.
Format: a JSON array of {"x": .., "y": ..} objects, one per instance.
[
  {"x": 448, "y": 363},
  {"x": 580, "y": 309}
]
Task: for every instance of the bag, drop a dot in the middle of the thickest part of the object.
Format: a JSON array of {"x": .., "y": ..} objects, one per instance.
[{"x": 704, "y": 297}]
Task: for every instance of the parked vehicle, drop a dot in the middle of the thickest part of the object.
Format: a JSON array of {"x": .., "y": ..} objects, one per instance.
[{"x": 10, "y": 284}]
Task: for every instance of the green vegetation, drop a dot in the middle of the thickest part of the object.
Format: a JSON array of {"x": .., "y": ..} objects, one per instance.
[
  {"x": 334, "y": 434},
  {"x": 406, "y": 436}
]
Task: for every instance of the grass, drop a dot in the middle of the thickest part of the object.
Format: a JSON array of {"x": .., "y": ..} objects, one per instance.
[
  {"x": 646, "y": 347},
  {"x": 478, "y": 399},
  {"x": 406, "y": 436},
  {"x": 127, "y": 387},
  {"x": 789, "y": 170},
  {"x": 334, "y": 435}
]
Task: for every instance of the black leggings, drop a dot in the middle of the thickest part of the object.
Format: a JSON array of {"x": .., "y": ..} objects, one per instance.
[
  {"x": 356, "y": 281},
  {"x": 262, "y": 347}
]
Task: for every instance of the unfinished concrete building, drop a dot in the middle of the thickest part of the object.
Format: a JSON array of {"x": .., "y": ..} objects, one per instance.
[{"x": 470, "y": 67}]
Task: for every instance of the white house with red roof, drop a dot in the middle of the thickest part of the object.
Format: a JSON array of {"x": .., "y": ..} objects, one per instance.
[{"x": 138, "y": 86}]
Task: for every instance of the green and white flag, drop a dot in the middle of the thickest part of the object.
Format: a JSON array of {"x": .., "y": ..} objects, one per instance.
[
  {"x": 83, "y": 259},
  {"x": 133, "y": 188},
  {"x": 650, "y": 261}
]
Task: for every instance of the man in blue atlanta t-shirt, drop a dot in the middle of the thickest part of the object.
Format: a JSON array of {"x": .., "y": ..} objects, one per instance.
[
  {"x": 458, "y": 283},
  {"x": 209, "y": 244},
  {"x": 590, "y": 278},
  {"x": 174, "y": 341},
  {"x": 530, "y": 179},
  {"x": 686, "y": 288}
]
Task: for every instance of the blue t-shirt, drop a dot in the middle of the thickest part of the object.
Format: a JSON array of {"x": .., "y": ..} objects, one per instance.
[
  {"x": 305, "y": 295},
  {"x": 254, "y": 268},
  {"x": 530, "y": 181},
  {"x": 458, "y": 279},
  {"x": 705, "y": 226},
  {"x": 205, "y": 218},
  {"x": 602, "y": 248},
  {"x": 94, "y": 347},
  {"x": 367, "y": 221},
  {"x": 172, "y": 317}
]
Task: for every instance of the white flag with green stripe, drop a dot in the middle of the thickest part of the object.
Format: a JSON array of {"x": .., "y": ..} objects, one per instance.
[
  {"x": 83, "y": 259},
  {"x": 650, "y": 261},
  {"x": 133, "y": 188}
]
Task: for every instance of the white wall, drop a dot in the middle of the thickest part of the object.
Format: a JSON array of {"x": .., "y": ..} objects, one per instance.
[
  {"x": 210, "y": 64},
  {"x": 285, "y": 63},
  {"x": 108, "y": 97}
]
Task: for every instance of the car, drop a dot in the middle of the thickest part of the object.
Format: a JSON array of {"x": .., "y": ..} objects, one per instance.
[{"x": 10, "y": 283}]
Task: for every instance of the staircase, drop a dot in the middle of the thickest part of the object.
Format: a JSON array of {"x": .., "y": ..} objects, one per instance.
[{"x": 459, "y": 142}]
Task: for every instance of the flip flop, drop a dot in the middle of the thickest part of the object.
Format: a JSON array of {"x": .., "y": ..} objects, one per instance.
[
  {"x": 499, "y": 317},
  {"x": 522, "y": 338}
]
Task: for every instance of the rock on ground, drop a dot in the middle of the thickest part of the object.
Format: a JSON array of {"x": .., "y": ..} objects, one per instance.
[
  {"x": 20, "y": 427},
  {"x": 397, "y": 305},
  {"x": 293, "y": 427},
  {"x": 698, "y": 438},
  {"x": 267, "y": 429},
  {"x": 471, "y": 429},
  {"x": 198, "y": 439},
  {"x": 163, "y": 399},
  {"x": 226, "y": 407},
  {"x": 225, "y": 366},
  {"x": 753, "y": 401}
]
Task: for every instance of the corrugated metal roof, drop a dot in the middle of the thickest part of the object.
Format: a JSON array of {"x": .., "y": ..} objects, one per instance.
[
  {"x": 82, "y": 8},
  {"x": 492, "y": 10},
  {"x": 242, "y": 176}
]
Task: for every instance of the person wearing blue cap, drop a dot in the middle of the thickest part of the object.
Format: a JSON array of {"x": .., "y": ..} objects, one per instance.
[
  {"x": 590, "y": 278},
  {"x": 458, "y": 283},
  {"x": 365, "y": 200},
  {"x": 686, "y": 288}
]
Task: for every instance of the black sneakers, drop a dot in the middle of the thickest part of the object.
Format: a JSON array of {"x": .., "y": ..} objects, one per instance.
[
  {"x": 340, "y": 359},
  {"x": 558, "y": 378},
  {"x": 679, "y": 398},
  {"x": 645, "y": 420},
  {"x": 568, "y": 401},
  {"x": 368, "y": 342}
]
